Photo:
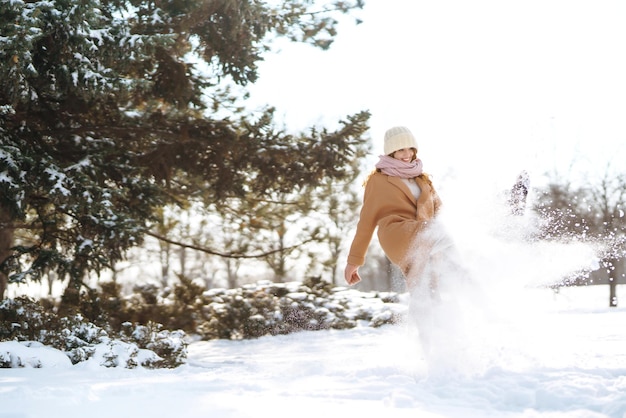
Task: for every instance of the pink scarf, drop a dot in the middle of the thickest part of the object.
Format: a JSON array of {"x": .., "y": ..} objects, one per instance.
[{"x": 398, "y": 168}]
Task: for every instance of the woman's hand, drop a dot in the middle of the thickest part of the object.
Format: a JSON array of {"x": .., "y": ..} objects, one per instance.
[{"x": 351, "y": 274}]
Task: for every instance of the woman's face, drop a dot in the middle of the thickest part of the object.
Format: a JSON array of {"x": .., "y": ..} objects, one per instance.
[{"x": 405, "y": 154}]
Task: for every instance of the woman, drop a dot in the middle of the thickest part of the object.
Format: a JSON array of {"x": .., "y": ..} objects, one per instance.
[{"x": 401, "y": 201}]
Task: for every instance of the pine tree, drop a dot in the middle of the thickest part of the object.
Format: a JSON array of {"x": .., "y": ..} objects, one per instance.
[{"x": 104, "y": 119}]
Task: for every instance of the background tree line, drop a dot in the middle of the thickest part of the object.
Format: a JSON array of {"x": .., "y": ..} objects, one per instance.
[{"x": 566, "y": 211}]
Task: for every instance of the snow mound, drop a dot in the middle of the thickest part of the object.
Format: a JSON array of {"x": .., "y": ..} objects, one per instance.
[{"x": 31, "y": 354}]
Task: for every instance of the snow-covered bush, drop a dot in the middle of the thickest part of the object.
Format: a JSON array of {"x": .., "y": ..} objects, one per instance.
[
  {"x": 23, "y": 320},
  {"x": 267, "y": 308},
  {"x": 75, "y": 336},
  {"x": 134, "y": 330},
  {"x": 251, "y": 311},
  {"x": 169, "y": 346}
]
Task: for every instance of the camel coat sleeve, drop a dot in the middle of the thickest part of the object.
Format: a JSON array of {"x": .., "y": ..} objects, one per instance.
[{"x": 389, "y": 205}]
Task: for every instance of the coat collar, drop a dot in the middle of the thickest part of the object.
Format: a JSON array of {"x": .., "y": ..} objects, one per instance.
[{"x": 397, "y": 182}]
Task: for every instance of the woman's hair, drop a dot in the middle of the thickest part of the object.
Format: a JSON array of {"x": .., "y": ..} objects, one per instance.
[{"x": 423, "y": 176}]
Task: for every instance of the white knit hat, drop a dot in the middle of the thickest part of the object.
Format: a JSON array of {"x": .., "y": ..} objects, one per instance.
[{"x": 397, "y": 138}]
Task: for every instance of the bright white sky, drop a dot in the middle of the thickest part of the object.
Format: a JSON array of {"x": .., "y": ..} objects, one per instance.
[{"x": 489, "y": 87}]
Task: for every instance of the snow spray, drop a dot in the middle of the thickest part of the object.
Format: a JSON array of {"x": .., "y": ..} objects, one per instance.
[{"x": 475, "y": 300}]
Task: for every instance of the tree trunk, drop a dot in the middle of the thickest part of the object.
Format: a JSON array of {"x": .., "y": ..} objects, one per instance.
[
  {"x": 6, "y": 242},
  {"x": 164, "y": 253},
  {"x": 616, "y": 275},
  {"x": 232, "y": 266},
  {"x": 612, "y": 293}
]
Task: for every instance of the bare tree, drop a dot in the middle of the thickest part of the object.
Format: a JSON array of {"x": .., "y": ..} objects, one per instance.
[{"x": 593, "y": 211}]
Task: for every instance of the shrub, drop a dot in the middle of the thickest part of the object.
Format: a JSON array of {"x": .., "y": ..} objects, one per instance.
[
  {"x": 23, "y": 319},
  {"x": 269, "y": 308},
  {"x": 136, "y": 330}
]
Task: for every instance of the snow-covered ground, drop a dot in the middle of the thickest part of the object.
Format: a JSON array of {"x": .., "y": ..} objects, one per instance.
[{"x": 547, "y": 355}]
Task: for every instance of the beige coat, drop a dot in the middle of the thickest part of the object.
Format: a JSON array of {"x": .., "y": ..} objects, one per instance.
[{"x": 389, "y": 205}]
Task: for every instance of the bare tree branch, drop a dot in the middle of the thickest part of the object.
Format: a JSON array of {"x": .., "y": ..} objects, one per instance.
[{"x": 225, "y": 255}]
